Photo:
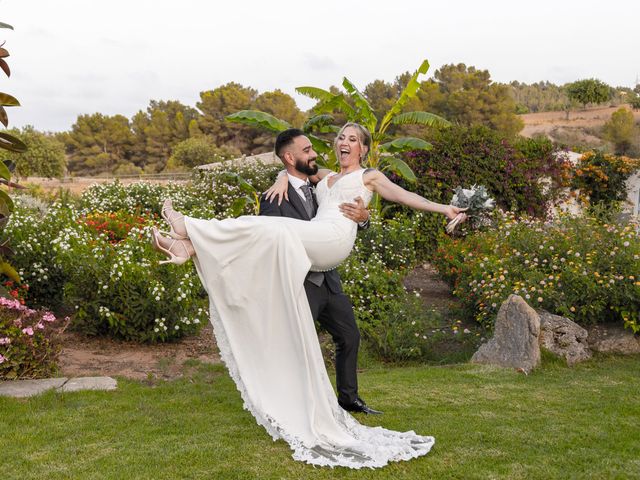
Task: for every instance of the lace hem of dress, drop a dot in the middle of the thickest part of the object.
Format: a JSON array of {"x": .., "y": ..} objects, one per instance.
[{"x": 376, "y": 446}]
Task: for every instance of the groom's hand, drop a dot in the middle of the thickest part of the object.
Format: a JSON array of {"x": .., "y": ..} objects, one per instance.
[{"x": 355, "y": 211}]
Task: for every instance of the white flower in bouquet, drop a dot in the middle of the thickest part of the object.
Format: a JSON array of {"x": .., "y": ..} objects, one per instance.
[{"x": 475, "y": 199}]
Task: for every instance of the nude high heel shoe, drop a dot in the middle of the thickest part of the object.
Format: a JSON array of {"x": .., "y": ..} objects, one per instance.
[
  {"x": 167, "y": 206},
  {"x": 173, "y": 258}
]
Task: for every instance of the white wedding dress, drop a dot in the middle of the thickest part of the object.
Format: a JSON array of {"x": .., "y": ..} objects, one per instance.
[{"x": 253, "y": 269}]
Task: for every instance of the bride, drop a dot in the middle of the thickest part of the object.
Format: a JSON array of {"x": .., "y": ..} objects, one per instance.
[{"x": 253, "y": 269}]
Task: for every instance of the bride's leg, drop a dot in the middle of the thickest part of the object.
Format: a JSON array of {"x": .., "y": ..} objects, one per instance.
[{"x": 178, "y": 229}]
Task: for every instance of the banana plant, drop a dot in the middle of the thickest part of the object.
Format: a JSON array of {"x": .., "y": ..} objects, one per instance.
[
  {"x": 251, "y": 195},
  {"x": 385, "y": 151},
  {"x": 314, "y": 126},
  {"x": 13, "y": 144}
]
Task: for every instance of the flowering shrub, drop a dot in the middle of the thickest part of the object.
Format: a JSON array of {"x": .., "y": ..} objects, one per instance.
[
  {"x": 210, "y": 194},
  {"x": 522, "y": 175},
  {"x": 115, "y": 225},
  {"x": 115, "y": 287},
  {"x": 95, "y": 257},
  {"x": 27, "y": 344},
  {"x": 601, "y": 178},
  {"x": 577, "y": 267},
  {"x": 392, "y": 321},
  {"x": 392, "y": 241},
  {"x": 122, "y": 291},
  {"x": 16, "y": 290}
]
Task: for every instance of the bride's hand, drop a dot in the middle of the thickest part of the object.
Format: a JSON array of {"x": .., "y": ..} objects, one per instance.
[
  {"x": 456, "y": 215},
  {"x": 452, "y": 212},
  {"x": 279, "y": 189}
]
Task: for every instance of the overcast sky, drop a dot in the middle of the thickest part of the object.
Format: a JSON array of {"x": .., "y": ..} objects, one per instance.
[{"x": 70, "y": 57}]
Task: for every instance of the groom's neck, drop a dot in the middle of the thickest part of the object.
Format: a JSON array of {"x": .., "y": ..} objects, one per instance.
[{"x": 295, "y": 173}]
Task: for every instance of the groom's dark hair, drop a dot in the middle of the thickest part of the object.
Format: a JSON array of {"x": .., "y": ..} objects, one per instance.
[{"x": 285, "y": 138}]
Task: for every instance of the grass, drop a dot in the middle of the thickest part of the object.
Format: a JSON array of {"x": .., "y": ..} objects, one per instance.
[{"x": 558, "y": 422}]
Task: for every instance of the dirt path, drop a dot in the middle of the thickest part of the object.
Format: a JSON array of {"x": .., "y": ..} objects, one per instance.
[
  {"x": 435, "y": 293},
  {"x": 89, "y": 356}
]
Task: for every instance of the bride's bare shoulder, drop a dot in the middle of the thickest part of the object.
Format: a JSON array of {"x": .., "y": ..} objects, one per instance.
[{"x": 371, "y": 174}]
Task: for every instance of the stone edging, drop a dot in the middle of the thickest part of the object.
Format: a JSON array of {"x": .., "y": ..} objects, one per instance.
[{"x": 30, "y": 388}]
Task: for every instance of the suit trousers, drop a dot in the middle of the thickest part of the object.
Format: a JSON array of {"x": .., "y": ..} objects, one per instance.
[{"x": 335, "y": 314}]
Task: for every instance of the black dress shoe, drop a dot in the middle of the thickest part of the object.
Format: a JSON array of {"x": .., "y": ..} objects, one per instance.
[{"x": 358, "y": 406}]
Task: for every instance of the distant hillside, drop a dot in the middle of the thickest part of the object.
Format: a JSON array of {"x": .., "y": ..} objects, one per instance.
[{"x": 582, "y": 128}]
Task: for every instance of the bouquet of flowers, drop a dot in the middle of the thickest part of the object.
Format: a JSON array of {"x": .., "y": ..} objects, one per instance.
[{"x": 475, "y": 199}]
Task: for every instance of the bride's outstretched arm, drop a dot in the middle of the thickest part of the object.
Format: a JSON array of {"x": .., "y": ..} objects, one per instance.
[
  {"x": 280, "y": 187},
  {"x": 379, "y": 183}
]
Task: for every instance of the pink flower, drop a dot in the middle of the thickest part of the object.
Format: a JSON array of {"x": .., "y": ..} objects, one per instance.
[
  {"x": 2, "y": 358},
  {"x": 13, "y": 304},
  {"x": 49, "y": 317},
  {"x": 28, "y": 331},
  {"x": 40, "y": 326},
  {"x": 5, "y": 341},
  {"x": 17, "y": 322}
]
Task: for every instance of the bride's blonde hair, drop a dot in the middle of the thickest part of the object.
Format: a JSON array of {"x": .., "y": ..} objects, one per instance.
[{"x": 364, "y": 138}]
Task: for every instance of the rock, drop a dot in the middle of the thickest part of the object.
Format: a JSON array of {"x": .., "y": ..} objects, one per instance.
[
  {"x": 605, "y": 338},
  {"x": 564, "y": 338},
  {"x": 515, "y": 340},
  {"x": 29, "y": 388},
  {"x": 89, "y": 383}
]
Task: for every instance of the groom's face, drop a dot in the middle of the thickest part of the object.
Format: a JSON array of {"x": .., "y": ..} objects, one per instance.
[{"x": 303, "y": 156}]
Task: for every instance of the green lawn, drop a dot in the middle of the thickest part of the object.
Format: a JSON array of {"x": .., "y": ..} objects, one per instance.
[{"x": 558, "y": 422}]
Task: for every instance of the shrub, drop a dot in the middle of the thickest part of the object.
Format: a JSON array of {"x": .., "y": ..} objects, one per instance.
[
  {"x": 115, "y": 286},
  {"x": 44, "y": 156},
  {"x": 27, "y": 341},
  {"x": 391, "y": 320},
  {"x": 121, "y": 291},
  {"x": 196, "y": 151},
  {"x": 523, "y": 175},
  {"x": 392, "y": 241},
  {"x": 401, "y": 330},
  {"x": 601, "y": 178},
  {"x": 95, "y": 257},
  {"x": 115, "y": 225},
  {"x": 578, "y": 267},
  {"x": 210, "y": 194}
]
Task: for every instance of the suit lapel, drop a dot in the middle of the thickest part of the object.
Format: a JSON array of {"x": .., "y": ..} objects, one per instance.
[{"x": 296, "y": 201}]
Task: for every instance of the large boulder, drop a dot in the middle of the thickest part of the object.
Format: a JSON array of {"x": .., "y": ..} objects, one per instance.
[
  {"x": 564, "y": 338},
  {"x": 515, "y": 341},
  {"x": 606, "y": 338}
]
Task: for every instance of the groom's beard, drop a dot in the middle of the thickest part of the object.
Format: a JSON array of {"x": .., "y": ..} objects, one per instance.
[{"x": 305, "y": 168}]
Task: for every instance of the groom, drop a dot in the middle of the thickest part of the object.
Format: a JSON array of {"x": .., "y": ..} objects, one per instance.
[{"x": 329, "y": 305}]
